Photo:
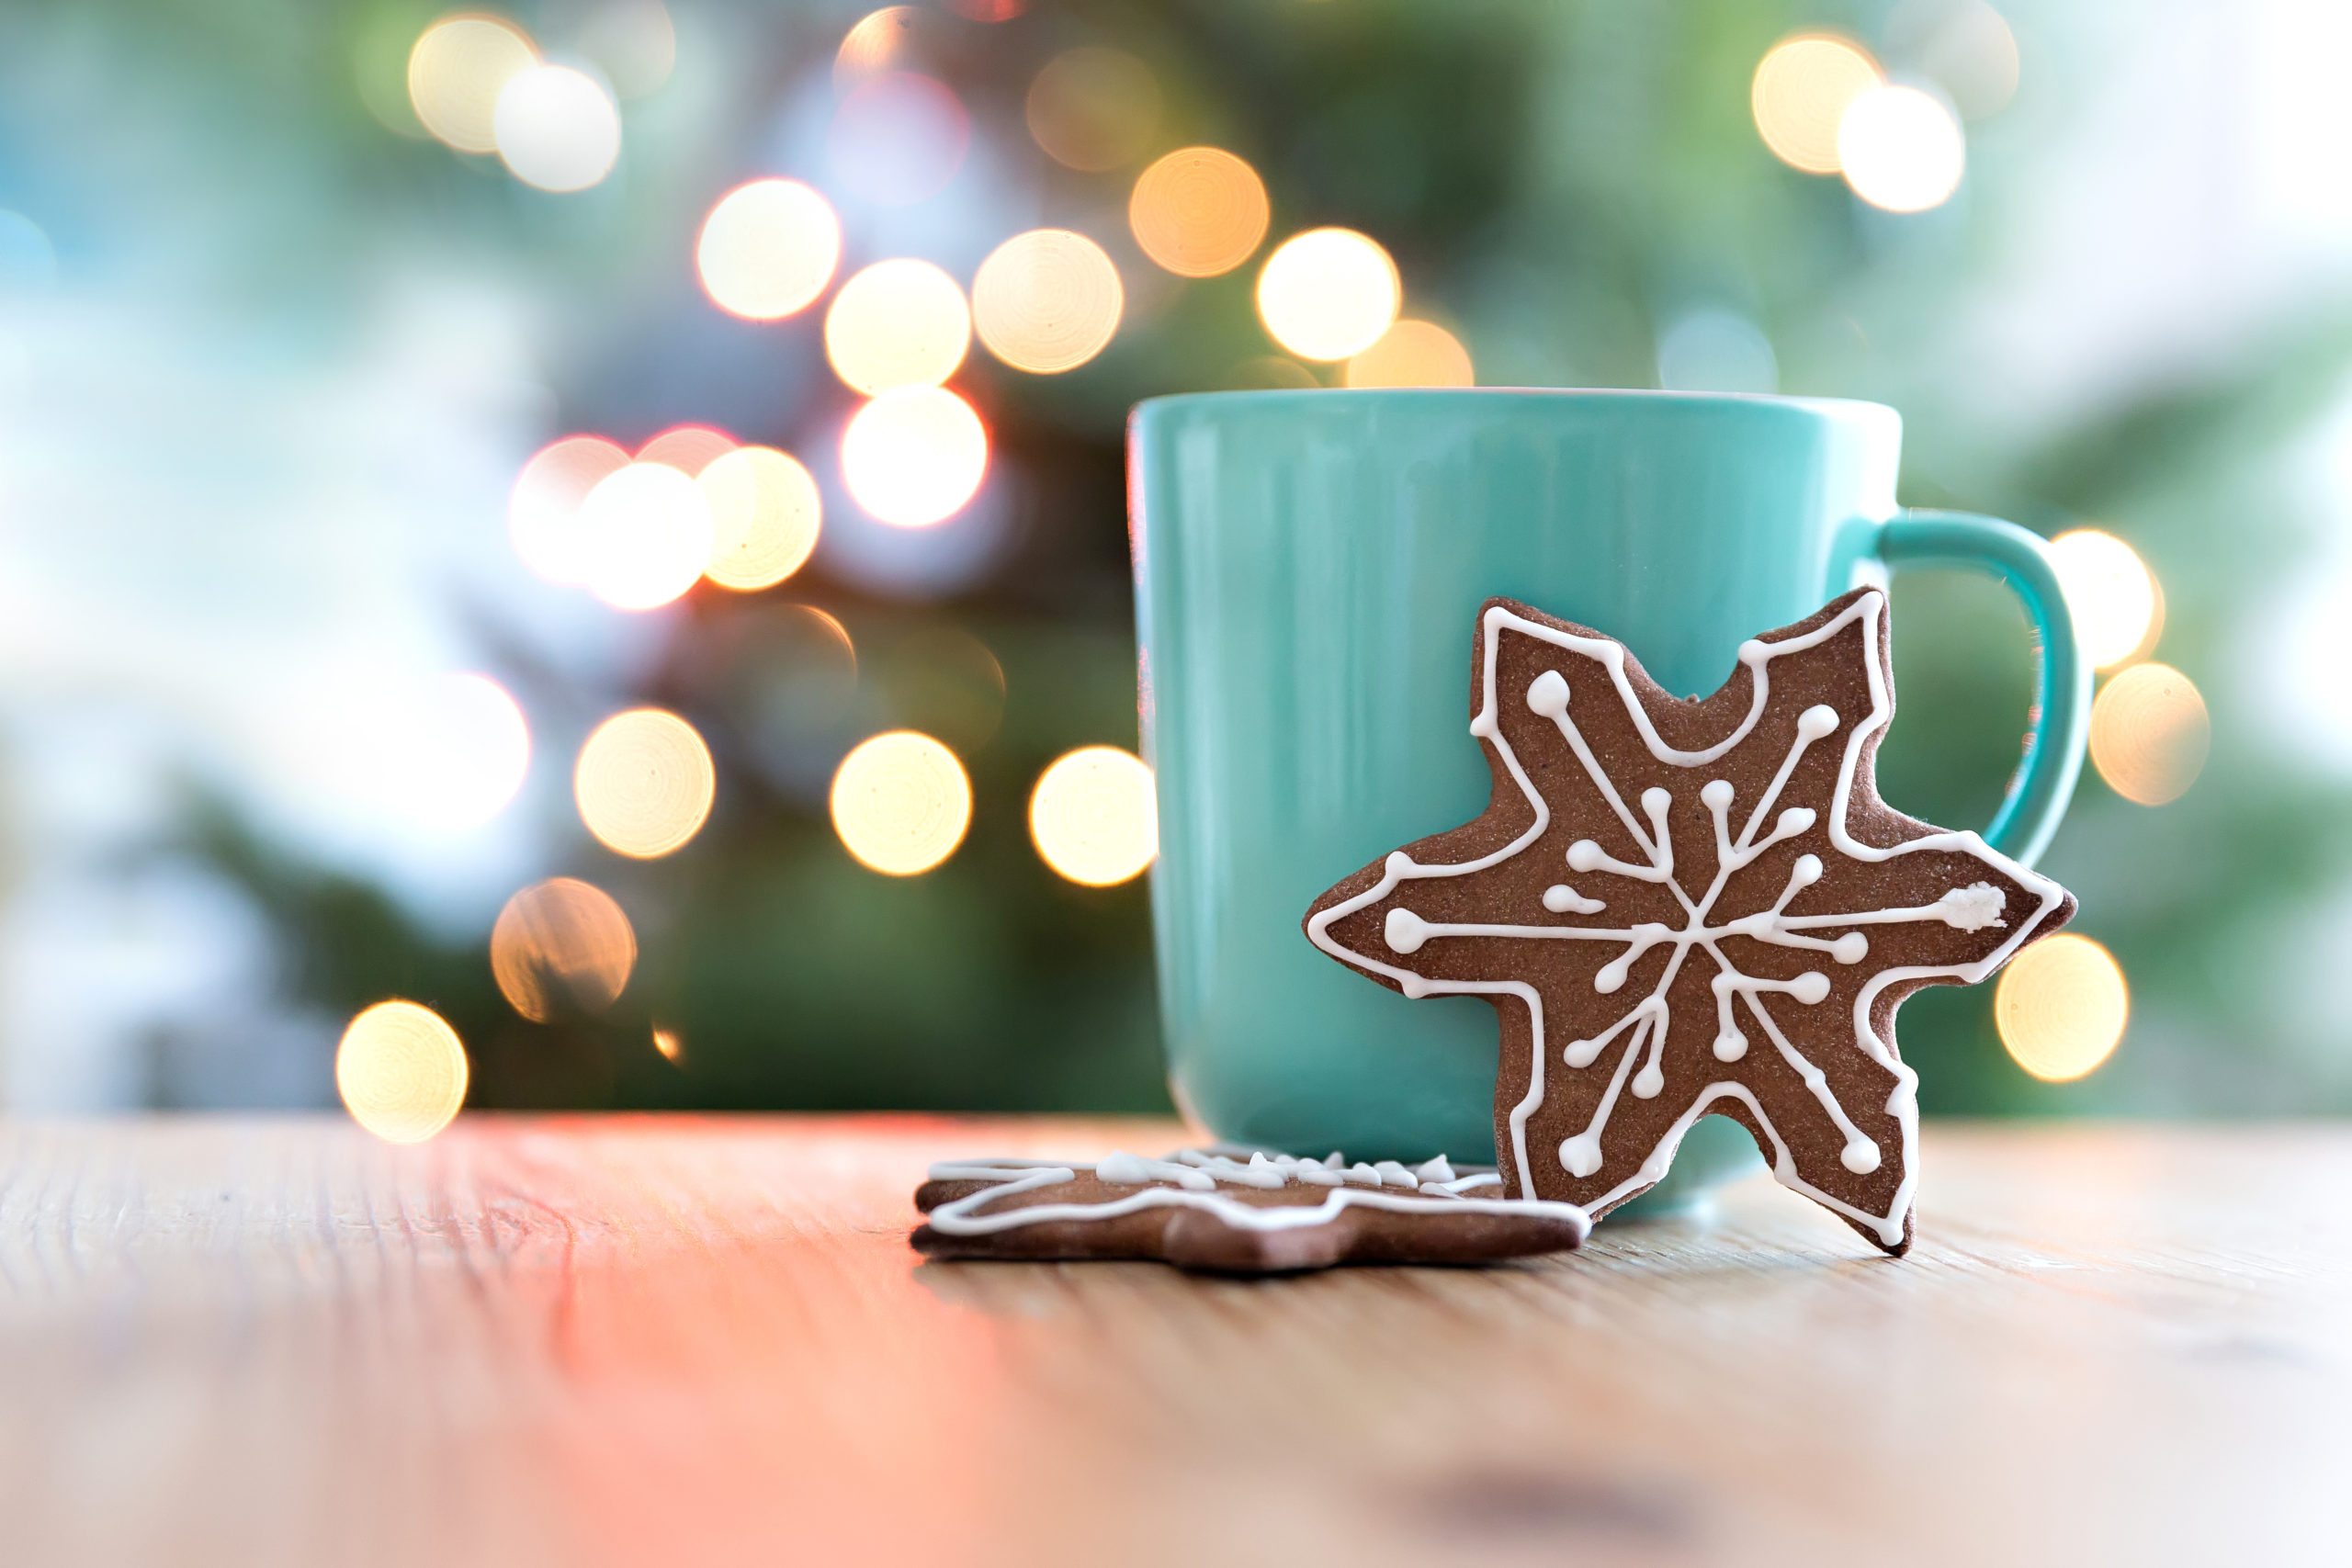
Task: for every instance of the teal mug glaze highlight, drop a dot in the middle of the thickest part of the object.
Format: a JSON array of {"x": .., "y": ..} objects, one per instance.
[{"x": 1308, "y": 567}]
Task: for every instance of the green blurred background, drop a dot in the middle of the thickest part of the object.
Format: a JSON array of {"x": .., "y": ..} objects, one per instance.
[{"x": 270, "y": 358}]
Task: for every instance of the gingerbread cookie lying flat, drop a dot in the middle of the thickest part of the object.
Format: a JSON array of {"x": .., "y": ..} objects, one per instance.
[
  {"x": 1679, "y": 907},
  {"x": 1266, "y": 1215}
]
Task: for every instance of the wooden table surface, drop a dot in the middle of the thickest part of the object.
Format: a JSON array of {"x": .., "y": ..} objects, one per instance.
[{"x": 679, "y": 1341}]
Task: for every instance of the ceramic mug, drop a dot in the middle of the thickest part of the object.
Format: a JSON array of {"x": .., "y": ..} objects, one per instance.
[{"x": 1308, "y": 565}]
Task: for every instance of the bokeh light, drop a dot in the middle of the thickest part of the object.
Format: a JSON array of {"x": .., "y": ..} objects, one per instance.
[
  {"x": 1967, "y": 48},
  {"x": 2110, "y": 592},
  {"x": 557, "y": 129},
  {"x": 913, "y": 456},
  {"x": 472, "y": 761},
  {"x": 1094, "y": 817},
  {"x": 1328, "y": 293},
  {"x": 543, "y": 509},
  {"x": 2061, "y": 1007},
  {"x": 1094, "y": 108},
  {"x": 1199, "y": 211},
  {"x": 1413, "y": 354},
  {"x": 764, "y": 516},
  {"x": 897, "y": 324},
  {"x": 2150, "y": 734},
  {"x": 768, "y": 249},
  {"x": 899, "y": 137},
  {"x": 875, "y": 41},
  {"x": 1802, "y": 90},
  {"x": 647, "y": 532},
  {"x": 634, "y": 42},
  {"x": 689, "y": 448},
  {"x": 457, "y": 71},
  {"x": 672, "y": 1045},
  {"x": 560, "y": 945},
  {"x": 1902, "y": 149},
  {"x": 644, "y": 783},
  {"x": 1047, "y": 300},
  {"x": 900, "y": 803},
  {"x": 400, "y": 1071}
]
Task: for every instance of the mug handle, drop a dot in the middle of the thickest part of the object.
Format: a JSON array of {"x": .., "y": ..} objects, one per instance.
[{"x": 2044, "y": 781}]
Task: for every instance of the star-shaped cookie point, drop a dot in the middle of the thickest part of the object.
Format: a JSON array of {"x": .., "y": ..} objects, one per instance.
[{"x": 1680, "y": 908}]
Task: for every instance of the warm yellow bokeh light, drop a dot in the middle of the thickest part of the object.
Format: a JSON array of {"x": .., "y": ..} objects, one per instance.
[
  {"x": 1094, "y": 108},
  {"x": 900, "y": 803},
  {"x": 457, "y": 70},
  {"x": 1902, "y": 149},
  {"x": 644, "y": 783},
  {"x": 2110, "y": 592},
  {"x": 1046, "y": 301},
  {"x": 768, "y": 249},
  {"x": 1328, "y": 293},
  {"x": 1199, "y": 211},
  {"x": 913, "y": 456},
  {"x": 897, "y": 323},
  {"x": 400, "y": 1071},
  {"x": 543, "y": 509},
  {"x": 876, "y": 42},
  {"x": 1413, "y": 354},
  {"x": 557, "y": 129},
  {"x": 764, "y": 517},
  {"x": 672, "y": 1045},
  {"x": 647, "y": 532},
  {"x": 2150, "y": 734},
  {"x": 689, "y": 448},
  {"x": 2061, "y": 1007},
  {"x": 559, "y": 944},
  {"x": 1094, "y": 817},
  {"x": 1803, "y": 88}
]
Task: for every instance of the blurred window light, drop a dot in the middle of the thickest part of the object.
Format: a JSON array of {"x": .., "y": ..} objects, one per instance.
[
  {"x": 897, "y": 323},
  {"x": 543, "y": 509},
  {"x": 2061, "y": 1007},
  {"x": 561, "y": 944},
  {"x": 471, "y": 762},
  {"x": 633, "y": 42},
  {"x": 1965, "y": 46},
  {"x": 900, "y": 803},
  {"x": 2150, "y": 734},
  {"x": 1094, "y": 108},
  {"x": 1047, "y": 300},
  {"x": 1902, "y": 149},
  {"x": 1199, "y": 212},
  {"x": 899, "y": 137},
  {"x": 768, "y": 249},
  {"x": 644, "y": 783},
  {"x": 557, "y": 129},
  {"x": 400, "y": 1070},
  {"x": 1803, "y": 88},
  {"x": 2111, "y": 592},
  {"x": 647, "y": 530},
  {"x": 913, "y": 456},
  {"x": 1413, "y": 354},
  {"x": 1328, "y": 293},
  {"x": 689, "y": 448},
  {"x": 1094, "y": 817},
  {"x": 457, "y": 73},
  {"x": 1714, "y": 349},
  {"x": 765, "y": 514},
  {"x": 875, "y": 41}
]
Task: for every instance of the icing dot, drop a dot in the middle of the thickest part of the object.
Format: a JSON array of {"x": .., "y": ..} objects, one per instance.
[
  {"x": 1754, "y": 652},
  {"x": 1849, "y": 948},
  {"x": 1648, "y": 1082},
  {"x": 1656, "y": 800},
  {"x": 1583, "y": 855},
  {"x": 1806, "y": 871},
  {"x": 1730, "y": 1047},
  {"x": 1399, "y": 863},
  {"x": 1810, "y": 986},
  {"x": 1405, "y": 931},
  {"x": 1121, "y": 1170},
  {"x": 1717, "y": 794},
  {"x": 1612, "y": 975},
  {"x": 1415, "y": 987},
  {"x": 1581, "y": 1153},
  {"x": 1817, "y": 721},
  {"x": 1548, "y": 695},
  {"x": 1580, "y": 1053},
  {"x": 1562, "y": 899},
  {"x": 1795, "y": 820},
  {"x": 1860, "y": 1157}
]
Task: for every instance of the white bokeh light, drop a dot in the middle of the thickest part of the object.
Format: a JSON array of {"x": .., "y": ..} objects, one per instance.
[{"x": 557, "y": 129}]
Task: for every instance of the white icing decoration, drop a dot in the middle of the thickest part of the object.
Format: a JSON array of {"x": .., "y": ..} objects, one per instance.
[
  {"x": 1432, "y": 1187},
  {"x": 1970, "y": 909}
]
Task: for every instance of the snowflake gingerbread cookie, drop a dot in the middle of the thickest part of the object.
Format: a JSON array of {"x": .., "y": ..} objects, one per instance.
[{"x": 1685, "y": 906}]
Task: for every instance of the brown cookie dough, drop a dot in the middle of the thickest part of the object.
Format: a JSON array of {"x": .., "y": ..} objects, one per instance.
[
  {"x": 1259, "y": 1216},
  {"x": 1684, "y": 906}
]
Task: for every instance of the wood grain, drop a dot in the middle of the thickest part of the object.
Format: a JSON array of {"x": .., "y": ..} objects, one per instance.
[{"x": 694, "y": 1341}]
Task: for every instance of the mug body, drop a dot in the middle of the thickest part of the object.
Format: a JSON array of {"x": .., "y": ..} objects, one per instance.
[{"x": 1308, "y": 568}]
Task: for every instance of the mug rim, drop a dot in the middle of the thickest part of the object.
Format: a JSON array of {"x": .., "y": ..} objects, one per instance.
[{"x": 1824, "y": 406}]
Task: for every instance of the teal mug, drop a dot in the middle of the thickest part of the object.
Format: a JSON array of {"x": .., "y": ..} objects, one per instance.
[{"x": 1308, "y": 565}]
